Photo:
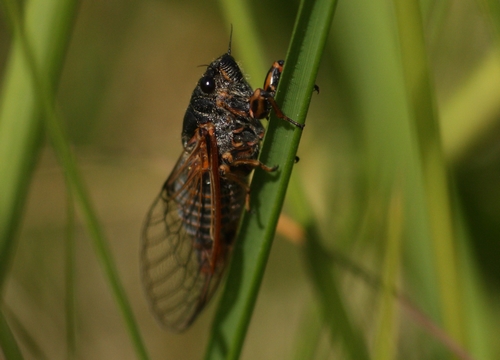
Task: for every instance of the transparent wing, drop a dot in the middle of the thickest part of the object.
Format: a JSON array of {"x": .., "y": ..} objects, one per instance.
[{"x": 177, "y": 244}]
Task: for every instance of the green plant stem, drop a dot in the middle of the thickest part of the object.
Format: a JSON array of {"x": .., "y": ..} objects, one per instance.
[
  {"x": 386, "y": 334},
  {"x": 47, "y": 26},
  {"x": 334, "y": 312},
  {"x": 43, "y": 97},
  {"x": 246, "y": 34},
  {"x": 100, "y": 242},
  {"x": 306, "y": 343},
  {"x": 257, "y": 230},
  {"x": 437, "y": 196},
  {"x": 471, "y": 114},
  {"x": 23, "y": 335},
  {"x": 8, "y": 344},
  {"x": 70, "y": 278},
  {"x": 319, "y": 265}
]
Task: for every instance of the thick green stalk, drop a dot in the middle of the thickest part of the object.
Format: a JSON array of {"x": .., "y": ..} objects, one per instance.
[{"x": 268, "y": 189}]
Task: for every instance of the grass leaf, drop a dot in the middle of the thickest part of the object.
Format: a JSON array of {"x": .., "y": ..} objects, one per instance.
[
  {"x": 422, "y": 105},
  {"x": 257, "y": 230},
  {"x": 8, "y": 344},
  {"x": 42, "y": 96}
]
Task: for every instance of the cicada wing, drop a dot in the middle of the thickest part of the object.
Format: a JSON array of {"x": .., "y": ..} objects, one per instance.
[{"x": 174, "y": 264}]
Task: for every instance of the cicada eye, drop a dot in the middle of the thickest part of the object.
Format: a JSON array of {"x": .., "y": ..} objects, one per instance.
[{"x": 207, "y": 84}]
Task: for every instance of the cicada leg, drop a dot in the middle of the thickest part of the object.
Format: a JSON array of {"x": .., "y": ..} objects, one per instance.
[
  {"x": 226, "y": 172},
  {"x": 260, "y": 103}
]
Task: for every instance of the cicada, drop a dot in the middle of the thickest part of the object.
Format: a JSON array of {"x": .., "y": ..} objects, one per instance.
[{"x": 191, "y": 226}]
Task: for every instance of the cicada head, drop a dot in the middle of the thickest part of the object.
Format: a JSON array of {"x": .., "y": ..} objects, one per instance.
[{"x": 221, "y": 90}]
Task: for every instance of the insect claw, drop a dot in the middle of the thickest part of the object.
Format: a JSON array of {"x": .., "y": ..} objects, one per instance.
[
  {"x": 268, "y": 168},
  {"x": 295, "y": 123},
  {"x": 282, "y": 116},
  {"x": 247, "y": 202}
]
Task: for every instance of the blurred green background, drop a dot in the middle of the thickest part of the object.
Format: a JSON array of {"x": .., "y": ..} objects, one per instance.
[{"x": 127, "y": 78}]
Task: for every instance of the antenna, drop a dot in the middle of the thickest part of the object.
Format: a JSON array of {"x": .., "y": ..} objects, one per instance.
[{"x": 230, "y": 40}]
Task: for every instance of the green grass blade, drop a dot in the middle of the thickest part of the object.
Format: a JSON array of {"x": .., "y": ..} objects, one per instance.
[
  {"x": 333, "y": 309},
  {"x": 308, "y": 334},
  {"x": 368, "y": 56},
  {"x": 245, "y": 34},
  {"x": 385, "y": 347},
  {"x": 481, "y": 318},
  {"x": 70, "y": 301},
  {"x": 319, "y": 264},
  {"x": 44, "y": 97},
  {"x": 492, "y": 10},
  {"x": 437, "y": 196},
  {"x": 471, "y": 112},
  {"x": 257, "y": 230},
  {"x": 8, "y": 344},
  {"x": 24, "y": 336},
  {"x": 48, "y": 25},
  {"x": 99, "y": 239}
]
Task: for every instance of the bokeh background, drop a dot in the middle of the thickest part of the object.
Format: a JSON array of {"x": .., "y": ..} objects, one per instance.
[{"x": 128, "y": 75}]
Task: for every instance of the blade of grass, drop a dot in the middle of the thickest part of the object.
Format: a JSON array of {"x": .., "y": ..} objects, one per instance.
[
  {"x": 472, "y": 111},
  {"x": 370, "y": 64},
  {"x": 386, "y": 333},
  {"x": 24, "y": 335},
  {"x": 97, "y": 235},
  {"x": 333, "y": 309},
  {"x": 48, "y": 25},
  {"x": 492, "y": 10},
  {"x": 44, "y": 97},
  {"x": 319, "y": 263},
  {"x": 481, "y": 318},
  {"x": 245, "y": 33},
  {"x": 422, "y": 105},
  {"x": 63, "y": 151},
  {"x": 308, "y": 334},
  {"x": 257, "y": 229},
  {"x": 70, "y": 278},
  {"x": 8, "y": 344}
]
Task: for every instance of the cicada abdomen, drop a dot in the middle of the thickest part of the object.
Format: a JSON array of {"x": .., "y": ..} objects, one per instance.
[{"x": 187, "y": 236}]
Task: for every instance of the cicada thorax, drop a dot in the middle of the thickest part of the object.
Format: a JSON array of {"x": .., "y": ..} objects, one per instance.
[{"x": 218, "y": 117}]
